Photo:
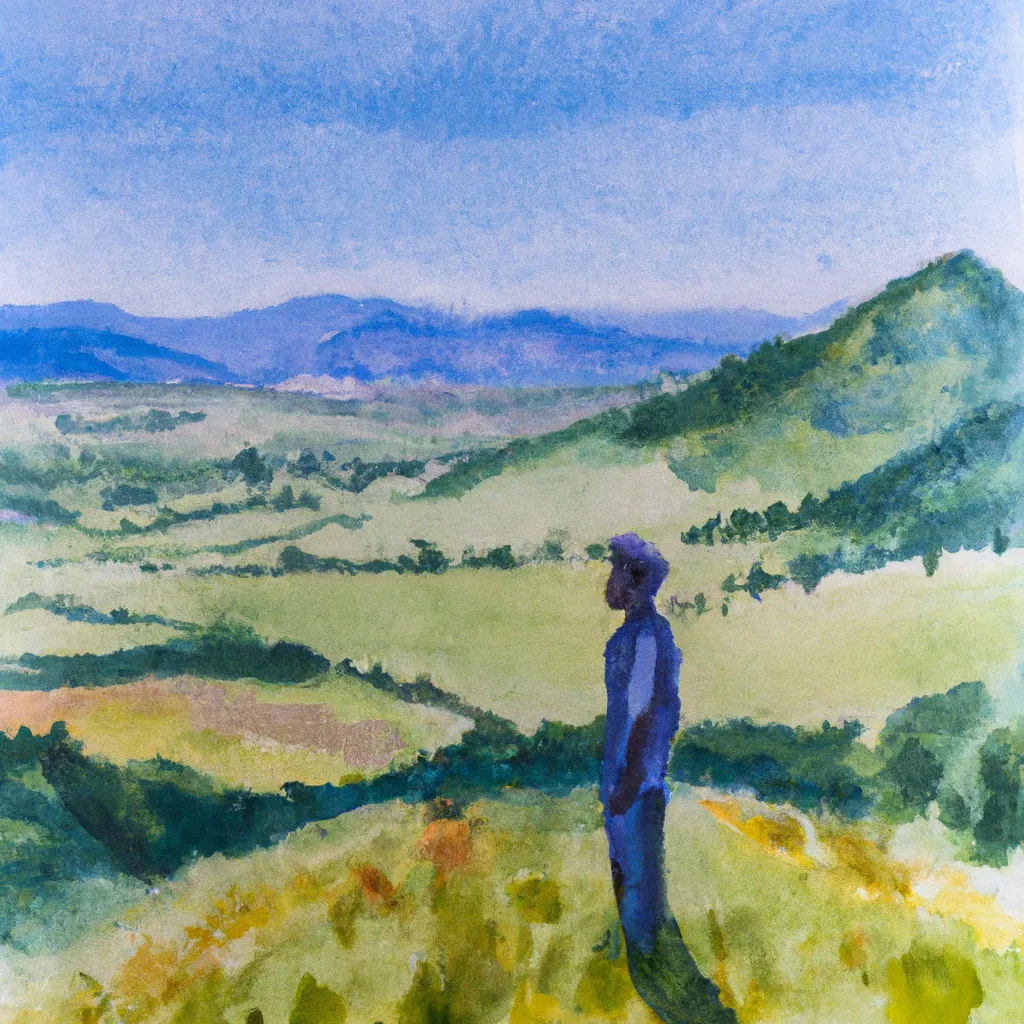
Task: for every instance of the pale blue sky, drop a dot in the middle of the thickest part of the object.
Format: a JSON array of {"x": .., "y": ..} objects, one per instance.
[{"x": 182, "y": 157}]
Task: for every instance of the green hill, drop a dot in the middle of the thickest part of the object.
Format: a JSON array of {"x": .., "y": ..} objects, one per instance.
[
  {"x": 955, "y": 308},
  {"x": 914, "y": 358},
  {"x": 964, "y": 490}
]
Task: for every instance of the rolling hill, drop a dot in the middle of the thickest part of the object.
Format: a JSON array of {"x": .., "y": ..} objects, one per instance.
[
  {"x": 962, "y": 491},
  {"x": 912, "y": 360}
]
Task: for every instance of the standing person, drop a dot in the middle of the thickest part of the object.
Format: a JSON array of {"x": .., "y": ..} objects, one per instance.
[{"x": 642, "y": 678}]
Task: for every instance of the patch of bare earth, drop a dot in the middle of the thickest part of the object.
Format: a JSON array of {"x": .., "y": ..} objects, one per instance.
[{"x": 367, "y": 744}]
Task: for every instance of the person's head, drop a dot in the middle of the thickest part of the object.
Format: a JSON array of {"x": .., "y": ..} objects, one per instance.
[{"x": 638, "y": 570}]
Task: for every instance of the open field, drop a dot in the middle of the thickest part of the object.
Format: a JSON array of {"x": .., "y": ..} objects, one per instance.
[
  {"x": 206, "y": 624},
  {"x": 243, "y": 735},
  {"x": 512, "y": 906},
  {"x": 529, "y": 641}
]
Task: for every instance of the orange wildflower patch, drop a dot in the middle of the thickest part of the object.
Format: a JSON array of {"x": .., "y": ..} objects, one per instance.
[
  {"x": 446, "y": 844},
  {"x": 145, "y": 980},
  {"x": 233, "y": 915},
  {"x": 378, "y": 890}
]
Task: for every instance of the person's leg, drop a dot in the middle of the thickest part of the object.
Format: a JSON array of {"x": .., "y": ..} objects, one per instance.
[
  {"x": 664, "y": 973},
  {"x": 636, "y": 879}
]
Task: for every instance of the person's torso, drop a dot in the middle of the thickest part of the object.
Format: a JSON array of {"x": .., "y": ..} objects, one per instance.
[{"x": 620, "y": 660}]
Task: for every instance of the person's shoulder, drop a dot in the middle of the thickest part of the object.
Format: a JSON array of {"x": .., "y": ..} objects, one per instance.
[
  {"x": 660, "y": 624},
  {"x": 663, "y": 631}
]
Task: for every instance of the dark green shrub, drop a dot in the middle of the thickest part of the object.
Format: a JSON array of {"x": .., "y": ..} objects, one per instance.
[
  {"x": 803, "y": 766},
  {"x": 255, "y": 471},
  {"x": 127, "y": 494}
]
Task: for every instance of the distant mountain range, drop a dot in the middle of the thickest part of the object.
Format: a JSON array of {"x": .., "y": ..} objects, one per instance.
[
  {"x": 739, "y": 328},
  {"x": 82, "y": 353},
  {"x": 368, "y": 339}
]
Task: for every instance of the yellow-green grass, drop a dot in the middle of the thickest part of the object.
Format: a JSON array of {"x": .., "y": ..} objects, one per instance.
[
  {"x": 859, "y": 646},
  {"x": 592, "y": 491},
  {"x": 795, "y": 923},
  {"x": 788, "y": 457},
  {"x": 589, "y": 502},
  {"x": 589, "y": 492},
  {"x": 21, "y": 547},
  {"x": 235, "y": 418},
  {"x": 528, "y": 643},
  {"x": 40, "y": 632},
  {"x": 409, "y": 425},
  {"x": 87, "y": 499},
  {"x": 171, "y": 718},
  {"x": 233, "y": 528}
]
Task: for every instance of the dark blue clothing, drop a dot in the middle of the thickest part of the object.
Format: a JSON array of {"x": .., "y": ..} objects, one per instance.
[
  {"x": 636, "y": 850},
  {"x": 642, "y": 677},
  {"x": 641, "y": 662}
]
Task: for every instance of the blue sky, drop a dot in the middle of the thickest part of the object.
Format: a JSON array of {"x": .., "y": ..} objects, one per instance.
[{"x": 186, "y": 157}]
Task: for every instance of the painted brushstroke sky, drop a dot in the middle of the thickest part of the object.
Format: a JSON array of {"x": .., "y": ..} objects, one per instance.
[{"x": 186, "y": 157}]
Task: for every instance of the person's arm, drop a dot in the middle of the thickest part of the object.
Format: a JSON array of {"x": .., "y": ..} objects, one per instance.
[{"x": 641, "y": 723}]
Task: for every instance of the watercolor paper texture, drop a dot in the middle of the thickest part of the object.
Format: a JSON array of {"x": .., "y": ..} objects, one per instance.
[{"x": 388, "y": 391}]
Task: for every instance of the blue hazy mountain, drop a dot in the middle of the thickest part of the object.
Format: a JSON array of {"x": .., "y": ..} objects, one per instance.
[
  {"x": 83, "y": 353},
  {"x": 533, "y": 347},
  {"x": 373, "y": 338},
  {"x": 739, "y": 328}
]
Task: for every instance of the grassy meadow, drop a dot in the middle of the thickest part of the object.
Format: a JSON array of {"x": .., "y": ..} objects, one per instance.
[{"x": 328, "y": 673}]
